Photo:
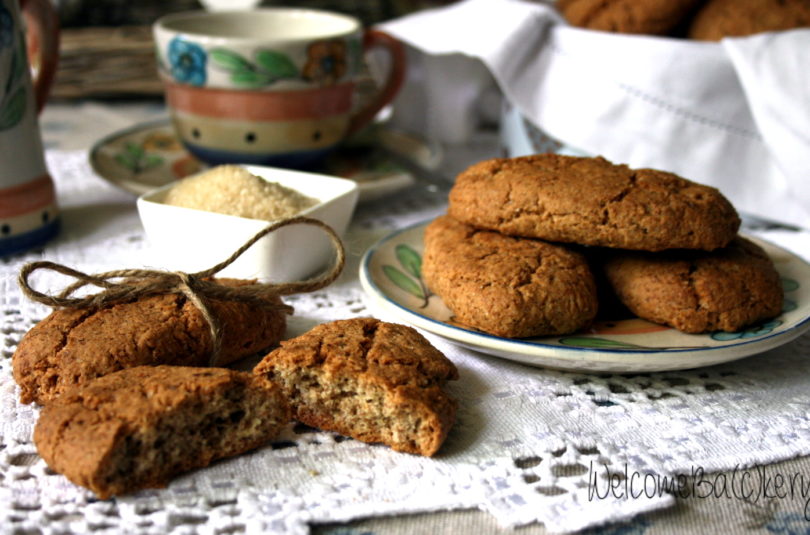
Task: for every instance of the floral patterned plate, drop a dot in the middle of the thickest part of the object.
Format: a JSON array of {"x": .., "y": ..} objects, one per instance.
[
  {"x": 148, "y": 156},
  {"x": 390, "y": 273}
]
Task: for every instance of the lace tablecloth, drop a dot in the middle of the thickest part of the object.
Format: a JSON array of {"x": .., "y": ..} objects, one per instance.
[{"x": 530, "y": 445}]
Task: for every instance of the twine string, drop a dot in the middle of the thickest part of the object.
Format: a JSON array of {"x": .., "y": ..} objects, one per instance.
[{"x": 130, "y": 284}]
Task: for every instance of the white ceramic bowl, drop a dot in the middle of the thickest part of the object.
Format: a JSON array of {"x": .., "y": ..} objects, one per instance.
[{"x": 185, "y": 239}]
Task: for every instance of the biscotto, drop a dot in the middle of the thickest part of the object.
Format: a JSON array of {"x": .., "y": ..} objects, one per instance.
[
  {"x": 512, "y": 287},
  {"x": 72, "y": 346},
  {"x": 654, "y": 17},
  {"x": 366, "y": 379},
  {"x": 739, "y": 18},
  {"x": 141, "y": 426},
  {"x": 591, "y": 201},
  {"x": 697, "y": 292}
]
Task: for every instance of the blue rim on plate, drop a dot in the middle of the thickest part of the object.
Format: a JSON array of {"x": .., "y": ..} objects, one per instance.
[{"x": 390, "y": 275}]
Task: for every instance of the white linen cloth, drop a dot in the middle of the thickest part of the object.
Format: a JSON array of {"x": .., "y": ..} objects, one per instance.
[
  {"x": 734, "y": 114},
  {"x": 526, "y": 446}
]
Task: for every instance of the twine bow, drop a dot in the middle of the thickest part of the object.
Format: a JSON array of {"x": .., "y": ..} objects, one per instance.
[{"x": 197, "y": 287}]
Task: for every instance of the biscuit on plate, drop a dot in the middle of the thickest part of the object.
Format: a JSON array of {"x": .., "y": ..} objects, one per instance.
[
  {"x": 369, "y": 380},
  {"x": 695, "y": 292},
  {"x": 591, "y": 201},
  {"x": 506, "y": 286},
  {"x": 653, "y": 17},
  {"x": 139, "y": 427},
  {"x": 72, "y": 346},
  {"x": 738, "y": 18}
]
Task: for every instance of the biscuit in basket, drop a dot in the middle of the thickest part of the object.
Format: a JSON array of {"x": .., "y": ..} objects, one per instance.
[
  {"x": 591, "y": 201},
  {"x": 698, "y": 292},
  {"x": 139, "y": 427},
  {"x": 506, "y": 286},
  {"x": 369, "y": 380},
  {"x": 654, "y": 17},
  {"x": 71, "y": 346},
  {"x": 738, "y": 18}
]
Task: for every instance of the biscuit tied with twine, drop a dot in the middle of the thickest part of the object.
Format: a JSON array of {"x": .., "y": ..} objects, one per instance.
[{"x": 197, "y": 287}]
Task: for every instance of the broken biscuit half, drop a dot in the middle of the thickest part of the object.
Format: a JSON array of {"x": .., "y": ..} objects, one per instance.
[{"x": 373, "y": 381}]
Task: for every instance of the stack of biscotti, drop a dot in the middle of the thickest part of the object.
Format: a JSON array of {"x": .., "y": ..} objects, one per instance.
[
  {"x": 706, "y": 20},
  {"x": 515, "y": 254}
]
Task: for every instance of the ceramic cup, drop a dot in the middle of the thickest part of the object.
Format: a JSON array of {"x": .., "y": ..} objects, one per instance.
[
  {"x": 273, "y": 86},
  {"x": 28, "y": 209}
]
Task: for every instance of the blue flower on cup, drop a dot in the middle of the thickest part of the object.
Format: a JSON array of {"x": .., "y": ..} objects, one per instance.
[
  {"x": 6, "y": 27},
  {"x": 187, "y": 62}
]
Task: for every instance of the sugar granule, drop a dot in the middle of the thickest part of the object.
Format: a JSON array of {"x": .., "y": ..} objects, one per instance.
[{"x": 233, "y": 190}]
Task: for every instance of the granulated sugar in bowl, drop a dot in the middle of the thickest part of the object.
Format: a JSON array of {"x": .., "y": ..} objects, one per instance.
[
  {"x": 200, "y": 221},
  {"x": 233, "y": 190}
]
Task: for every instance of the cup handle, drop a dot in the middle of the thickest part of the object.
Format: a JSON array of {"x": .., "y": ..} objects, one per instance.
[
  {"x": 42, "y": 42},
  {"x": 392, "y": 85}
]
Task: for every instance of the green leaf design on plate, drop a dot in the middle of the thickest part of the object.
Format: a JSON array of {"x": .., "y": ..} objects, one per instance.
[
  {"x": 597, "y": 343},
  {"x": 127, "y": 160},
  {"x": 134, "y": 158},
  {"x": 750, "y": 332},
  {"x": 124, "y": 160},
  {"x": 13, "y": 109},
  {"x": 229, "y": 60},
  {"x": 134, "y": 149},
  {"x": 409, "y": 259},
  {"x": 789, "y": 285},
  {"x": 403, "y": 281},
  {"x": 152, "y": 160},
  {"x": 726, "y": 336},
  {"x": 277, "y": 64}
]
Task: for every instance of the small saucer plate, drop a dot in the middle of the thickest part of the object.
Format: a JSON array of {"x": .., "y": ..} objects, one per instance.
[
  {"x": 390, "y": 274},
  {"x": 149, "y": 155}
]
